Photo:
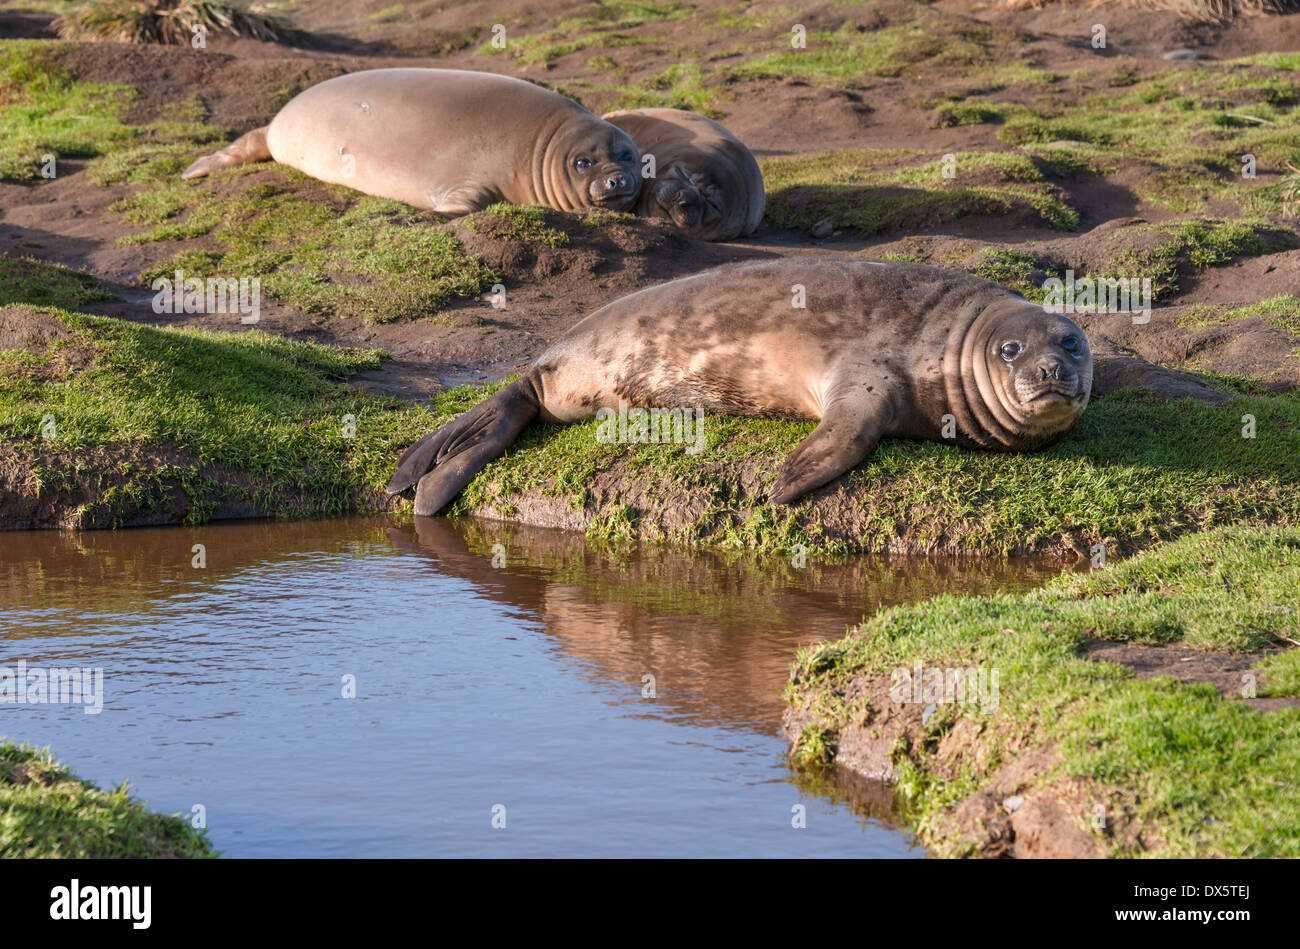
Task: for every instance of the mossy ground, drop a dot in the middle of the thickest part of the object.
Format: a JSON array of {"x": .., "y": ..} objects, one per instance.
[
  {"x": 1199, "y": 146},
  {"x": 46, "y": 112},
  {"x": 1214, "y": 775},
  {"x": 47, "y": 811},
  {"x": 1282, "y": 310},
  {"x": 512, "y": 222},
  {"x": 599, "y": 30},
  {"x": 272, "y": 413},
  {"x": 354, "y": 255},
  {"x": 32, "y": 281},
  {"x": 871, "y": 191}
]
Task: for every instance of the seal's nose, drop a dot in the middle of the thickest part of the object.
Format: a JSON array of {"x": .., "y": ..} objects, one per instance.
[
  {"x": 1050, "y": 368},
  {"x": 616, "y": 183}
]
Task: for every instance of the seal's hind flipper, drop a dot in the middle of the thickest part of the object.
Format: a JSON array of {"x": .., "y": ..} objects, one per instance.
[
  {"x": 244, "y": 150},
  {"x": 445, "y": 461},
  {"x": 851, "y": 424}
]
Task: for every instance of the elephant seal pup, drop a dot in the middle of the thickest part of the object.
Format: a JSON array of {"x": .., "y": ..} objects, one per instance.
[
  {"x": 881, "y": 349},
  {"x": 449, "y": 141},
  {"x": 706, "y": 181}
]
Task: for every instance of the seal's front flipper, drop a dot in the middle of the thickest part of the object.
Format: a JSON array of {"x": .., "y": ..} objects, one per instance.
[
  {"x": 445, "y": 461},
  {"x": 244, "y": 150},
  {"x": 851, "y": 424}
]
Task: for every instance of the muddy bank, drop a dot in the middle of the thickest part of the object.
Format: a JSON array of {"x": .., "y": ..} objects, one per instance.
[
  {"x": 1024, "y": 807},
  {"x": 105, "y": 487},
  {"x": 1019, "y": 812}
]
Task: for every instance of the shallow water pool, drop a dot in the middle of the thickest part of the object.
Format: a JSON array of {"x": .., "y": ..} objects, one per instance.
[{"x": 518, "y": 692}]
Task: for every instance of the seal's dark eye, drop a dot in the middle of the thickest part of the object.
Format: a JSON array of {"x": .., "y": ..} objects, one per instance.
[
  {"x": 1069, "y": 344},
  {"x": 583, "y": 163},
  {"x": 1010, "y": 351},
  {"x": 624, "y": 156}
]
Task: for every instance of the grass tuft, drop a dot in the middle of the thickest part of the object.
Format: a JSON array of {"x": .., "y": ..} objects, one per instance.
[
  {"x": 174, "y": 22},
  {"x": 46, "y": 811}
]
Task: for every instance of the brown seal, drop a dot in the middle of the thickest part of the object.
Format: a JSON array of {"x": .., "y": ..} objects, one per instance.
[
  {"x": 705, "y": 180},
  {"x": 450, "y": 141},
  {"x": 879, "y": 349}
]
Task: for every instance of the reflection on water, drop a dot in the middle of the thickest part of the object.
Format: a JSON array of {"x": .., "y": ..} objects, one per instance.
[{"x": 493, "y": 665}]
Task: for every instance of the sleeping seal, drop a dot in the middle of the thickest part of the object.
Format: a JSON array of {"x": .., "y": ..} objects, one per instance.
[
  {"x": 881, "y": 349},
  {"x": 706, "y": 181},
  {"x": 446, "y": 140}
]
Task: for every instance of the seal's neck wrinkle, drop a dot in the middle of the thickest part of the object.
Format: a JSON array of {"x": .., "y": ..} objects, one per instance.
[
  {"x": 976, "y": 401},
  {"x": 552, "y": 179}
]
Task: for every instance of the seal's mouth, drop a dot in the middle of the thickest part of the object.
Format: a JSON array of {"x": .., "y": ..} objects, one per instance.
[
  {"x": 1044, "y": 387},
  {"x": 623, "y": 200},
  {"x": 1053, "y": 392},
  {"x": 1049, "y": 398}
]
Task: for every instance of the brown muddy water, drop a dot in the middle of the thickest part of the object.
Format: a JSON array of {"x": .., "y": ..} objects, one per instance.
[{"x": 602, "y": 701}]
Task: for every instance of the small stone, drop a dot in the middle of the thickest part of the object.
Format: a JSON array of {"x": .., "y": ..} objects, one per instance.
[
  {"x": 1012, "y": 804},
  {"x": 929, "y": 713},
  {"x": 1184, "y": 54},
  {"x": 823, "y": 228}
]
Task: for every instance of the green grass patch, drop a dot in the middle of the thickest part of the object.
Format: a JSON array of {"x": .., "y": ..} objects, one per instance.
[
  {"x": 271, "y": 410},
  {"x": 965, "y": 113},
  {"x": 677, "y": 87},
  {"x": 1195, "y": 126},
  {"x": 844, "y": 54},
  {"x": 1282, "y": 310},
  {"x": 514, "y": 222},
  {"x": 1017, "y": 270},
  {"x": 347, "y": 254},
  {"x": 871, "y": 191},
  {"x": 1212, "y": 776},
  {"x": 602, "y": 29},
  {"x": 27, "y": 280},
  {"x": 47, "y": 811},
  {"x": 1162, "y": 252},
  {"x": 45, "y": 113}
]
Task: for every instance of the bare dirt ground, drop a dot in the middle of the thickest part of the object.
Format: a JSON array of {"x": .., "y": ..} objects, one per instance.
[{"x": 243, "y": 82}]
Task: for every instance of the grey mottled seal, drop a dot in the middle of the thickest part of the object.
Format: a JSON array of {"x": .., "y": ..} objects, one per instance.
[
  {"x": 706, "y": 181},
  {"x": 446, "y": 140},
  {"x": 881, "y": 349}
]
